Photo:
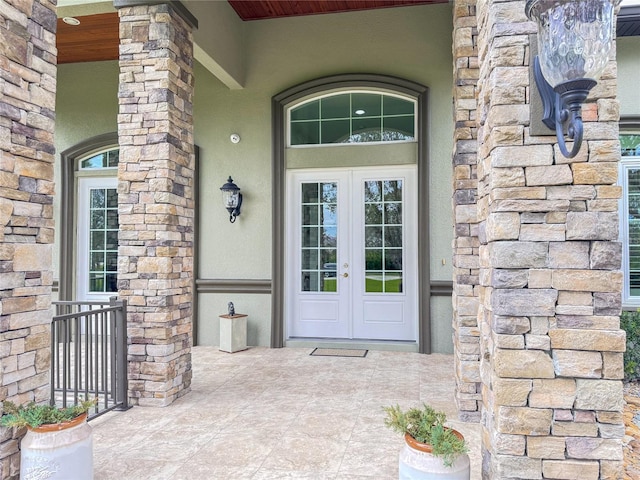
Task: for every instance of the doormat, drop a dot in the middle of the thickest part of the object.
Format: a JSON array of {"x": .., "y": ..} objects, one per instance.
[{"x": 338, "y": 352}]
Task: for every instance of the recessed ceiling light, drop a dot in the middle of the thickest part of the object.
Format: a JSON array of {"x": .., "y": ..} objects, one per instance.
[
  {"x": 71, "y": 21},
  {"x": 360, "y": 112}
]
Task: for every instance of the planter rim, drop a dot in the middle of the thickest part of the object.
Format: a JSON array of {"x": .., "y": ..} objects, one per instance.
[
  {"x": 426, "y": 447},
  {"x": 56, "y": 427}
]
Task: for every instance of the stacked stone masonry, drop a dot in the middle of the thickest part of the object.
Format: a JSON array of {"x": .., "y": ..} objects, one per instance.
[
  {"x": 155, "y": 188},
  {"x": 27, "y": 117},
  {"x": 466, "y": 335},
  {"x": 549, "y": 272}
]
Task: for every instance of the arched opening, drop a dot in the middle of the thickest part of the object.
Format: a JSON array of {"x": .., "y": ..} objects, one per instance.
[{"x": 339, "y": 89}]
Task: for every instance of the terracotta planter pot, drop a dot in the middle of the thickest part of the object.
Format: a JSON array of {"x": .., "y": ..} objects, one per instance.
[
  {"x": 58, "y": 451},
  {"x": 418, "y": 463}
]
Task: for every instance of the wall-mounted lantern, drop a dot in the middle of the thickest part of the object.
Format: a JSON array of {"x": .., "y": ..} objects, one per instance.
[
  {"x": 232, "y": 199},
  {"x": 574, "y": 41}
]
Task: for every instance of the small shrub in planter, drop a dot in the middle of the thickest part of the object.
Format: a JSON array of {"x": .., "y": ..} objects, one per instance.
[
  {"x": 33, "y": 416},
  {"x": 431, "y": 449},
  {"x": 58, "y": 443}
]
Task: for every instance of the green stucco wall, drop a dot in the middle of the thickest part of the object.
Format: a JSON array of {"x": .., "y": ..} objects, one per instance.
[
  {"x": 628, "y": 72},
  {"x": 411, "y": 42},
  {"x": 86, "y": 106},
  {"x": 281, "y": 53}
]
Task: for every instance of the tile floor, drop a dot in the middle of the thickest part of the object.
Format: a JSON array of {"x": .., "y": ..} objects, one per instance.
[{"x": 278, "y": 413}]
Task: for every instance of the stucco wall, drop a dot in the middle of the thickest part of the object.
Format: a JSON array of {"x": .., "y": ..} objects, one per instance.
[
  {"x": 411, "y": 42},
  {"x": 628, "y": 68},
  {"x": 86, "y": 106}
]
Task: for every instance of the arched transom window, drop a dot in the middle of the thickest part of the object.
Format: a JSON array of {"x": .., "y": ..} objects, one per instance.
[{"x": 352, "y": 118}]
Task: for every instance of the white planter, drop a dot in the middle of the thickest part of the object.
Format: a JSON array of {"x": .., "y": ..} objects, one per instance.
[
  {"x": 233, "y": 333},
  {"x": 61, "y": 452},
  {"x": 419, "y": 464}
]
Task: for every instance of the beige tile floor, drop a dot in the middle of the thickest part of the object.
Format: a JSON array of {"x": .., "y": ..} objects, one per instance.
[{"x": 278, "y": 413}]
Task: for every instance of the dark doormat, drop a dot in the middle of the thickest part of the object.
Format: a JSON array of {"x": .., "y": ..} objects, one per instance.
[{"x": 338, "y": 352}]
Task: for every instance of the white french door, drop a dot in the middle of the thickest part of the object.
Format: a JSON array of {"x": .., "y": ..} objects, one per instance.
[{"x": 352, "y": 246}]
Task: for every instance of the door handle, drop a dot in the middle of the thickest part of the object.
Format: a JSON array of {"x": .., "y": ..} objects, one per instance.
[{"x": 345, "y": 275}]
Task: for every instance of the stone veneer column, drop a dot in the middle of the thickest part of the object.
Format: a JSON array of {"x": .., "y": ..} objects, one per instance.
[
  {"x": 550, "y": 284},
  {"x": 466, "y": 335},
  {"x": 27, "y": 118},
  {"x": 155, "y": 173}
]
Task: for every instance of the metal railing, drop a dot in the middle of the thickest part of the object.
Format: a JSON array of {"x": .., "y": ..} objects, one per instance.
[{"x": 89, "y": 354}]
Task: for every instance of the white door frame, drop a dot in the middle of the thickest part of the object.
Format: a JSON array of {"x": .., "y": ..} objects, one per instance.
[
  {"x": 85, "y": 185},
  {"x": 280, "y": 102},
  {"x": 350, "y": 313}
]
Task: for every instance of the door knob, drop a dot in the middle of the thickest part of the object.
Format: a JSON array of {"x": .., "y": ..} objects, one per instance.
[{"x": 345, "y": 275}]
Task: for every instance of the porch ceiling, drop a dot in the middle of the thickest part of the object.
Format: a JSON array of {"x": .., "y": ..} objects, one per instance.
[
  {"x": 259, "y": 10},
  {"x": 96, "y": 37}
]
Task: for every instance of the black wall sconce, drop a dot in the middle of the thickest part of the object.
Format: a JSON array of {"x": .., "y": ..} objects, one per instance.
[
  {"x": 232, "y": 199},
  {"x": 574, "y": 41}
]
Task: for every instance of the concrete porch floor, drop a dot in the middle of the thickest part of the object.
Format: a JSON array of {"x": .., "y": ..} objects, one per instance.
[{"x": 279, "y": 413}]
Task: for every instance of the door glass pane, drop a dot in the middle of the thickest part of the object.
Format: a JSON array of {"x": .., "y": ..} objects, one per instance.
[
  {"x": 373, "y": 194},
  {"x": 383, "y": 243},
  {"x": 319, "y": 237},
  {"x": 103, "y": 240},
  {"x": 309, "y": 259}
]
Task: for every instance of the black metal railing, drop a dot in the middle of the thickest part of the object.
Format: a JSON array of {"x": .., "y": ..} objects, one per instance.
[{"x": 89, "y": 354}]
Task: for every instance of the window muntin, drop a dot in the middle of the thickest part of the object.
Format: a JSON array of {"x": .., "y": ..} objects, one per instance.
[
  {"x": 383, "y": 245},
  {"x": 319, "y": 237},
  {"x": 630, "y": 216},
  {"x": 103, "y": 240},
  {"x": 353, "y": 118}
]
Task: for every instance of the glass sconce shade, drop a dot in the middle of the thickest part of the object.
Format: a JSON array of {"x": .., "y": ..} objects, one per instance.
[
  {"x": 574, "y": 42},
  {"x": 231, "y": 198},
  {"x": 574, "y": 37}
]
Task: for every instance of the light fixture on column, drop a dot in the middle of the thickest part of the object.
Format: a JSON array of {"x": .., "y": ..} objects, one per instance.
[
  {"x": 574, "y": 41},
  {"x": 232, "y": 199}
]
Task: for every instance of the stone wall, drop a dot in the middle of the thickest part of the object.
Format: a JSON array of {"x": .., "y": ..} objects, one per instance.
[
  {"x": 466, "y": 335},
  {"x": 155, "y": 173},
  {"x": 550, "y": 280},
  {"x": 27, "y": 118}
]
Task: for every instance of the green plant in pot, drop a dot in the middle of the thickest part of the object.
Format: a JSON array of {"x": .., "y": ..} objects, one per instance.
[
  {"x": 431, "y": 448},
  {"x": 58, "y": 443},
  {"x": 34, "y": 416}
]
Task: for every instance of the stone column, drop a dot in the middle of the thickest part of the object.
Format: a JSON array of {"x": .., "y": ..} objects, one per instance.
[
  {"x": 466, "y": 335},
  {"x": 27, "y": 118},
  {"x": 155, "y": 173},
  {"x": 550, "y": 284}
]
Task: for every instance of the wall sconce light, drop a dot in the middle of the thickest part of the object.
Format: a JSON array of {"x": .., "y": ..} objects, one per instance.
[
  {"x": 574, "y": 41},
  {"x": 232, "y": 199}
]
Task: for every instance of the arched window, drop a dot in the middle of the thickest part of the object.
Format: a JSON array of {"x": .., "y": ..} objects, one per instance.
[
  {"x": 89, "y": 220},
  {"x": 97, "y": 219},
  {"x": 352, "y": 117}
]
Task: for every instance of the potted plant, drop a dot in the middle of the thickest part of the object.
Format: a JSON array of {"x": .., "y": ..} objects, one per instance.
[
  {"x": 431, "y": 449},
  {"x": 58, "y": 443}
]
